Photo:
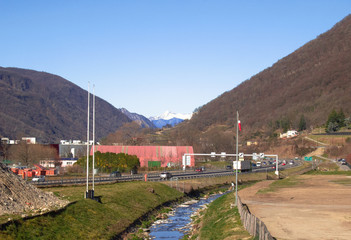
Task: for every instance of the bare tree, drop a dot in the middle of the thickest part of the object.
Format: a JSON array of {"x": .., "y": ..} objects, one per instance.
[{"x": 29, "y": 154}]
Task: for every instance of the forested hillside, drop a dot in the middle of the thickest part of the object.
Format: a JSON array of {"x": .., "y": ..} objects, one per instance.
[
  {"x": 311, "y": 81},
  {"x": 49, "y": 107}
]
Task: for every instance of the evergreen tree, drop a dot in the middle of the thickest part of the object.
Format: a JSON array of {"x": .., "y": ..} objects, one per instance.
[
  {"x": 302, "y": 123},
  {"x": 336, "y": 120},
  {"x": 341, "y": 118}
]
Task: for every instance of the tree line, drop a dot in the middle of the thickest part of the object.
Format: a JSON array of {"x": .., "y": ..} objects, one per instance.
[
  {"x": 337, "y": 120},
  {"x": 109, "y": 162}
]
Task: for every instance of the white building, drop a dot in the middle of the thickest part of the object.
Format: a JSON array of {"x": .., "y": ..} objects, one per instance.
[
  {"x": 289, "y": 134},
  {"x": 31, "y": 140},
  {"x": 64, "y": 163}
]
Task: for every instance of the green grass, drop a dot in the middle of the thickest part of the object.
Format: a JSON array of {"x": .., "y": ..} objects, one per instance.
[
  {"x": 215, "y": 164},
  {"x": 283, "y": 183},
  {"x": 346, "y": 182},
  {"x": 122, "y": 204},
  {"x": 315, "y": 172},
  {"x": 220, "y": 221}
]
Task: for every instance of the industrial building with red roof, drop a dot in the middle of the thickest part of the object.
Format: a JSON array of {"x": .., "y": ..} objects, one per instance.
[{"x": 152, "y": 156}]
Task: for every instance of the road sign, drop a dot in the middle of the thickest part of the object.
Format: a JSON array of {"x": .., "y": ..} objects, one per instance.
[
  {"x": 308, "y": 158},
  {"x": 188, "y": 159},
  {"x": 241, "y": 155},
  {"x": 213, "y": 154},
  {"x": 261, "y": 155},
  {"x": 223, "y": 154}
]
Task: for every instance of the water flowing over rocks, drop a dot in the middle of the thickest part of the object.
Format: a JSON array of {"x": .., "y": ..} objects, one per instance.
[
  {"x": 179, "y": 221},
  {"x": 20, "y": 197}
]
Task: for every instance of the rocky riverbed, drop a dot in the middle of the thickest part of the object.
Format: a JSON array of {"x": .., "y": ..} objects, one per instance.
[{"x": 178, "y": 222}]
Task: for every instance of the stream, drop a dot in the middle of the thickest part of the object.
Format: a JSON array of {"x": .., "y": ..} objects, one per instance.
[{"x": 179, "y": 222}]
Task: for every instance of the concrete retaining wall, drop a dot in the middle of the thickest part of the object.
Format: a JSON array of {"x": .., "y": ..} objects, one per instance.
[{"x": 252, "y": 224}]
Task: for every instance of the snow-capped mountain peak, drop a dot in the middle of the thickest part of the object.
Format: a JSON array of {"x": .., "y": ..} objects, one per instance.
[
  {"x": 167, "y": 115},
  {"x": 169, "y": 118}
]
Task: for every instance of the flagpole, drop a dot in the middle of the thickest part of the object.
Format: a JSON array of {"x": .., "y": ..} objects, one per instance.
[
  {"x": 87, "y": 190},
  {"x": 93, "y": 137},
  {"x": 236, "y": 159}
]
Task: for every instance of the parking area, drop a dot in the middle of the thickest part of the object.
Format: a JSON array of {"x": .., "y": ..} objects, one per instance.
[{"x": 318, "y": 207}]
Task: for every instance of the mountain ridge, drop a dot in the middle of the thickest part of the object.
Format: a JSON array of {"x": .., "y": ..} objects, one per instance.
[
  {"x": 49, "y": 107},
  {"x": 311, "y": 81},
  {"x": 140, "y": 119}
]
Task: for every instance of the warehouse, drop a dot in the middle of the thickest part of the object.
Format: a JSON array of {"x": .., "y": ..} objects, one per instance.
[{"x": 152, "y": 156}]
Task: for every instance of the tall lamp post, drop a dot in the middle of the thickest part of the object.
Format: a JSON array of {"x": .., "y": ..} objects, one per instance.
[{"x": 87, "y": 188}]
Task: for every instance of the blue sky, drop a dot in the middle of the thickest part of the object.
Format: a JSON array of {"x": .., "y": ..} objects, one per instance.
[{"x": 150, "y": 56}]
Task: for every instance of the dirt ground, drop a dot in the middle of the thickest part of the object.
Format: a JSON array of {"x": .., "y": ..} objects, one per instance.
[{"x": 316, "y": 208}]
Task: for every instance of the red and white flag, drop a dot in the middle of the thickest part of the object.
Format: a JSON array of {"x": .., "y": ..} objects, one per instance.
[{"x": 239, "y": 125}]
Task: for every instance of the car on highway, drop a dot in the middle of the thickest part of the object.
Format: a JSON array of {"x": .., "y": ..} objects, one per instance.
[
  {"x": 229, "y": 167},
  {"x": 38, "y": 179},
  {"x": 198, "y": 169},
  {"x": 115, "y": 174},
  {"x": 165, "y": 175}
]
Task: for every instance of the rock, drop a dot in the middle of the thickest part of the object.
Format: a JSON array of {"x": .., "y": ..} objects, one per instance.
[{"x": 18, "y": 196}]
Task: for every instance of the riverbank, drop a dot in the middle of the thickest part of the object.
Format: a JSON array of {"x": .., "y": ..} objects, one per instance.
[
  {"x": 122, "y": 205},
  {"x": 219, "y": 220}
]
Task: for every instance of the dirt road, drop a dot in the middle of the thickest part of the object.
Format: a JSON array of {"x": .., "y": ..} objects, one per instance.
[{"x": 319, "y": 207}]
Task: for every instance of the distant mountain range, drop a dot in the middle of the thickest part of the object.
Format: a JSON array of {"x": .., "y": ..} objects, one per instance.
[
  {"x": 169, "y": 118},
  {"x": 140, "y": 119},
  {"x": 311, "y": 81},
  {"x": 50, "y": 108}
]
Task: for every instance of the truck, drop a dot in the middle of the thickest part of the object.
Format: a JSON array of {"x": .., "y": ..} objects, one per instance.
[{"x": 243, "y": 166}]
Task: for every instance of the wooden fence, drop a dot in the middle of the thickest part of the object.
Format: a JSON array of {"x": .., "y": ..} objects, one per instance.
[{"x": 252, "y": 224}]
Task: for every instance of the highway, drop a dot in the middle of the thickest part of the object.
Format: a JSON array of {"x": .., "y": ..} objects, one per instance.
[{"x": 176, "y": 175}]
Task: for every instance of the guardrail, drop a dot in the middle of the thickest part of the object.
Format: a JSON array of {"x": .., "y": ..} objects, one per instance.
[{"x": 154, "y": 177}]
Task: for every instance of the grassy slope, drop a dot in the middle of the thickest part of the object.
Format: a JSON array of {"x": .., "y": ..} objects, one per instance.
[
  {"x": 121, "y": 205},
  {"x": 222, "y": 221}
]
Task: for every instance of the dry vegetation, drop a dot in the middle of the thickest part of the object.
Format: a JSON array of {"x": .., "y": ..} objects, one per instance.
[
  {"x": 49, "y": 107},
  {"x": 311, "y": 81}
]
